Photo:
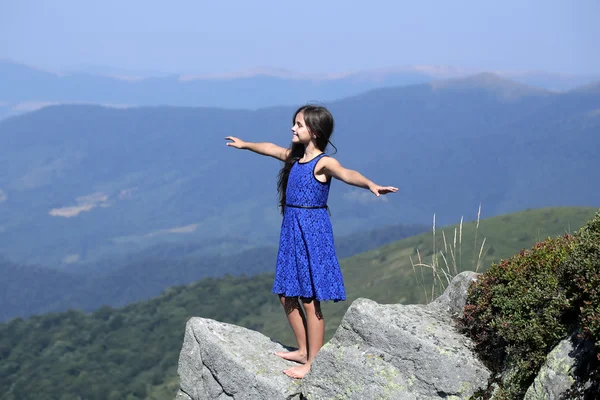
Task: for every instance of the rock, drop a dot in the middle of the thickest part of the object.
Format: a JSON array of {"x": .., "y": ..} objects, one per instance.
[
  {"x": 224, "y": 361},
  {"x": 182, "y": 396},
  {"x": 395, "y": 352},
  {"x": 378, "y": 352},
  {"x": 557, "y": 375},
  {"x": 454, "y": 298}
]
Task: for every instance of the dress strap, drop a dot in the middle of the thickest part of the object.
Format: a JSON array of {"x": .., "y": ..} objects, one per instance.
[{"x": 316, "y": 158}]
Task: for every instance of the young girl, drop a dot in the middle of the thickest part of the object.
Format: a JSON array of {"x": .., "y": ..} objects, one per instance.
[{"x": 307, "y": 267}]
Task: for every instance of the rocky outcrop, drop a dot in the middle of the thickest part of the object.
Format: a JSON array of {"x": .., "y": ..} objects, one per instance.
[
  {"x": 378, "y": 352},
  {"x": 557, "y": 376},
  {"x": 395, "y": 352},
  {"x": 223, "y": 361},
  {"x": 398, "y": 352},
  {"x": 454, "y": 298}
]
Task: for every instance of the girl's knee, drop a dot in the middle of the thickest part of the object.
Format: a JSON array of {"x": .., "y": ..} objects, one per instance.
[
  {"x": 312, "y": 306},
  {"x": 289, "y": 303}
]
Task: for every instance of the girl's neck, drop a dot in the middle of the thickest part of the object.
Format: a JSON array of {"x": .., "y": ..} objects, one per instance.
[{"x": 311, "y": 151}]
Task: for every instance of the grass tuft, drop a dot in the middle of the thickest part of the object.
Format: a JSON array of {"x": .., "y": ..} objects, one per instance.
[{"x": 443, "y": 273}]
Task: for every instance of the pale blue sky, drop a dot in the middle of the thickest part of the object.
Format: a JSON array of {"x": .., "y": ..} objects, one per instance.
[{"x": 304, "y": 36}]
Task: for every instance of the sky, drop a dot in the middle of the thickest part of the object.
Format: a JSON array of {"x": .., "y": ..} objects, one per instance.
[{"x": 326, "y": 36}]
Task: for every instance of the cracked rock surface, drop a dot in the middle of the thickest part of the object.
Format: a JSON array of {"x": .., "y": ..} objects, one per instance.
[
  {"x": 398, "y": 352},
  {"x": 223, "y": 361}
]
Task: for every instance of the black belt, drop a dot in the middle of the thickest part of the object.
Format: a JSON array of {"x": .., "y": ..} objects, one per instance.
[{"x": 296, "y": 206}]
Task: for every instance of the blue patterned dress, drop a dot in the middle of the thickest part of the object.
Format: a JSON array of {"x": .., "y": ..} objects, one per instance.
[{"x": 307, "y": 265}]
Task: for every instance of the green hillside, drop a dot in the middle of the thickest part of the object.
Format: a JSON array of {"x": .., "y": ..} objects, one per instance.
[
  {"x": 387, "y": 276},
  {"x": 132, "y": 352},
  {"x": 29, "y": 290}
]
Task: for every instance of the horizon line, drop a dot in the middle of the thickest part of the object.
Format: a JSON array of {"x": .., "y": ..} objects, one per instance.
[{"x": 430, "y": 70}]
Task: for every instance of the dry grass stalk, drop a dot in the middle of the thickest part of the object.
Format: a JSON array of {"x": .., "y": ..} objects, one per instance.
[
  {"x": 476, "y": 231},
  {"x": 443, "y": 274}
]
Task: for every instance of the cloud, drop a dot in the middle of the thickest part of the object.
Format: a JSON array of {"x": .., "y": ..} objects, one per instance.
[
  {"x": 178, "y": 229},
  {"x": 594, "y": 113},
  {"x": 69, "y": 212},
  {"x": 191, "y": 228},
  {"x": 71, "y": 258},
  {"x": 86, "y": 203},
  {"x": 33, "y": 105},
  {"x": 127, "y": 193},
  {"x": 3, "y": 196}
]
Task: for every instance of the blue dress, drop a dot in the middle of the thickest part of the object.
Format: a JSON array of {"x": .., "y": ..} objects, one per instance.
[{"x": 307, "y": 265}]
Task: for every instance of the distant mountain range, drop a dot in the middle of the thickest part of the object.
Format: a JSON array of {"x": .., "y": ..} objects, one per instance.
[
  {"x": 79, "y": 183},
  {"x": 25, "y": 88}
]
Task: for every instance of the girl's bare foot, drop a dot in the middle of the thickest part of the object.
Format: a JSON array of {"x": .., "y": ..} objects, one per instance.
[
  {"x": 297, "y": 372},
  {"x": 296, "y": 356}
]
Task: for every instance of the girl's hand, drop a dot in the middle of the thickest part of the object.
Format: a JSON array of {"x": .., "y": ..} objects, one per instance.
[
  {"x": 235, "y": 142},
  {"x": 377, "y": 190}
]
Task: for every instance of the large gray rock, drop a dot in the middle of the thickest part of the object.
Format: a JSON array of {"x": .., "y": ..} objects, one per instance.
[
  {"x": 398, "y": 352},
  {"x": 395, "y": 352},
  {"x": 454, "y": 298},
  {"x": 557, "y": 375},
  {"x": 223, "y": 361},
  {"x": 378, "y": 352}
]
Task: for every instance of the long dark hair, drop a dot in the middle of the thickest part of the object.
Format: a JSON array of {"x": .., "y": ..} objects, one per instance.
[{"x": 319, "y": 122}]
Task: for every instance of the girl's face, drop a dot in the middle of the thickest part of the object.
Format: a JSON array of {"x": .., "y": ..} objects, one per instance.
[{"x": 301, "y": 134}]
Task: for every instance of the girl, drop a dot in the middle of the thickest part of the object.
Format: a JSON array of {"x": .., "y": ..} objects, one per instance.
[{"x": 307, "y": 267}]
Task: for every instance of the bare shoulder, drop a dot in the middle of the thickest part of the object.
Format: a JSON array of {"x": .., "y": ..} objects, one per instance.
[
  {"x": 329, "y": 167},
  {"x": 328, "y": 163}
]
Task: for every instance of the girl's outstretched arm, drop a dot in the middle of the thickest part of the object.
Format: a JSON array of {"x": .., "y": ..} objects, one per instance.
[
  {"x": 332, "y": 167},
  {"x": 264, "y": 148}
]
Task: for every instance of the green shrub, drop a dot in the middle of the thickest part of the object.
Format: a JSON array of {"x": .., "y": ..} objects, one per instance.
[
  {"x": 582, "y": 271},
  {"x": 523, "y": 306},
  {"x": 514, "y": 311}
]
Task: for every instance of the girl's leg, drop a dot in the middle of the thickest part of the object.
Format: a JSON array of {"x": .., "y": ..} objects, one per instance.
[
  {"x": 316, "y": 335},
  {"x": 297, "y": 321}
]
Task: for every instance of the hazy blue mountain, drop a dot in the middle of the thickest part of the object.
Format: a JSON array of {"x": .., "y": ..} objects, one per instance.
[
  {"x": 80, "y": 183},
  {"x": 553, "y": 81},
  {"x": 592, "y": 88},
  {"x": 23, "y": 84},
  {"x": 5, "y": 110},
  {"x": 25, "y": 88},
  {"x": 107, "y": 70}
]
